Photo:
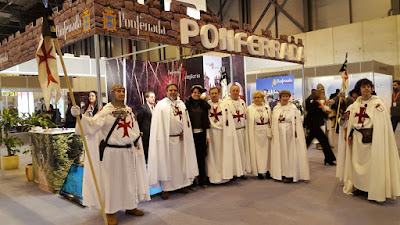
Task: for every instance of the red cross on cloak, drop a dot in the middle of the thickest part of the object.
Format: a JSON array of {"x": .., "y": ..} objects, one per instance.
[
  {"x": 238, "y": 116},
  {"x": 178, "y": 112},
  {"x": 215, "y": 114},
  {"x": 43, "y": 58},
  {"x": 125, "y": 125},
  {"x": 362, "y": 115},
  {"x": 262, "y": 121}
]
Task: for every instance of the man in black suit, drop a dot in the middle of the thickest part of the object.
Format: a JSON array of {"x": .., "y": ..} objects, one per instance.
[{"x": 144, "y": 119}]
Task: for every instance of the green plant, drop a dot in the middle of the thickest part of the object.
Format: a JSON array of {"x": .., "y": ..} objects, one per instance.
[
  {"x": 299, "y": 106},
  {"x": 8, "y": 120},
  {"x": 40, "y": 120}
]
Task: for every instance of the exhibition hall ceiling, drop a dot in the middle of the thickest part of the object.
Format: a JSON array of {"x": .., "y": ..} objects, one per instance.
[{"x": 16, "y": 14}]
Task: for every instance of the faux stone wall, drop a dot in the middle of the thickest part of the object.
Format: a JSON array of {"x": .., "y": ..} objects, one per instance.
[{"x": 22, "y": 47}]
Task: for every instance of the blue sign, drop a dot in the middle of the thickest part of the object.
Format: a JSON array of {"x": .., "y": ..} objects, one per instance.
[{"x": 271, "y": 87}]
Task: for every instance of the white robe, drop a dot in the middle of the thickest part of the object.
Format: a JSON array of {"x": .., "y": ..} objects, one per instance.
[
  {"x": 288, "y": 152},
  {"x": 372, "y": 167},
  {"x": 172, "y": 163},
  {"x": 121, "y": 176},
  {"x": 223, "y": 157},
  {"x": 259, "y": 136},
  {"x": 238, "y": 111},
  {"x": 341, "y": 154}
]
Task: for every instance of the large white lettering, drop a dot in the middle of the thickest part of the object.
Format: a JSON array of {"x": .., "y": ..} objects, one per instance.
[{"x": 227, "y": 40}]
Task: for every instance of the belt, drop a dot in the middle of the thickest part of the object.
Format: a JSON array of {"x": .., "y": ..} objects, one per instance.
[
  {"x": 239, "y": 128},
  {"x": 175, "y": 135},
  {"x": 119, "y": 146},
  {"x": 196, "y": 131}
]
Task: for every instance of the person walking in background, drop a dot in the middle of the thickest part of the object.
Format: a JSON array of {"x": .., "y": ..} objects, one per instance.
[{"x": 315, "y": 118}]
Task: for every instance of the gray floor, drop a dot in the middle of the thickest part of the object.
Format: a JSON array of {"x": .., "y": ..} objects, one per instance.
[{"x": 252, "y": 201}]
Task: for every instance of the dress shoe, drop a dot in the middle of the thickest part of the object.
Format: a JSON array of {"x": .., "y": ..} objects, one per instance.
[
  {"x": 268, "y": 175},
  {"x": 331, "y": 163},
  {"x": 287, "y": 180},
  {"x": 243, "y": 177},
  {"x": 135, "y": 212},
  {"x": 260, "y": 176},
  {"x": 164, "y": 195},
  {"x": 360, "y": 193},
  {"x": 184, "y": 190},
  {"x": 111, "y": 219}
]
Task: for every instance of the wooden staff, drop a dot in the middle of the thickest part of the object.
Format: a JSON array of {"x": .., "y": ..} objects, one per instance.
[
  {"x": 337, "y": 116},
  {"x": 57, "y": 45}
]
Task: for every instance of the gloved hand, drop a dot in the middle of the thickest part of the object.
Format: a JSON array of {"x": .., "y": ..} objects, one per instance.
[{"x": 75, "y": 111}]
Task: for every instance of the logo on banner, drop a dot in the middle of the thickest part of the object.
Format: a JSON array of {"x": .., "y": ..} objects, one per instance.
[
  {"x": 109, "y": 20},
  {"x": 282, "y": 81},
  {"x": 86, "y": 20}
]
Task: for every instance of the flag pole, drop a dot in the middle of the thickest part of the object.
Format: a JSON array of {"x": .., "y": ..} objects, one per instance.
[
  {"x": 342, "y": 89},
  {"x": 337, "y": 116},
  {"x": 57, "y": 44}
]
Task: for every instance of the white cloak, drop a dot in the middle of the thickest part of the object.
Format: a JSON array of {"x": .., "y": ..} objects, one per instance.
[
  {"x": 259, "y": 137},
  {"x": 372, "y": 167},
  {"x": 238, "y": 111},
  {"x": 172, "y": 163},
  {"x": 288, "y": 152},
  {"x": 121, "y": 176},
  {"x": 223, "y": 157}
]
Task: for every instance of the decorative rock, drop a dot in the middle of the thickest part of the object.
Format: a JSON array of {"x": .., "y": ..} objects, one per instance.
[
  {"x": 141, "y": 8},
  {"x": 167, "y": 15},
  {"x": 155, "y": 12},
  {"x": 178, "y": 17}
]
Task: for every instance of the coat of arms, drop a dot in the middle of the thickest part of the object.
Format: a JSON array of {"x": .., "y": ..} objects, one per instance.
[
  {"x": 109, "y": 19},
  {"x": 86, "y": 20}
]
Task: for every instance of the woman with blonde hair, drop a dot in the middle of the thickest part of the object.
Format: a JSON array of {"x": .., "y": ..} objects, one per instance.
[
  {"x": 289, "y": 152},
  {"x": 259, "y": 135}
]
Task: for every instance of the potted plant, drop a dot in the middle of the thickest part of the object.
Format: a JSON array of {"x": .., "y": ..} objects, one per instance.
[
  {"x": 8, "y": 120},
  {"x": 37, "y": 121}
]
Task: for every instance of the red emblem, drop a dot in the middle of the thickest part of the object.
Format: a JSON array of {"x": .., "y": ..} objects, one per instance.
[
  {"x": 362, "y": 115},
  {"x": 238, "y": 116},
  {"x": 125, "y": 125},
  {"x": 215, "y": 114},
  {"x": 43, "y": 58}
]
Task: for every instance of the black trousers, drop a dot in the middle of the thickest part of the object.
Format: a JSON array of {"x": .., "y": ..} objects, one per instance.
[
  {"x": 316, "y": 132},
  {"x": 395, "y": 121},
  {"x": 145, "y": 141},
  {"x": 201, "y": 154}
]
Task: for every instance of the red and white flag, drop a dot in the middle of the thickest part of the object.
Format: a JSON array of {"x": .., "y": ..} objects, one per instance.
[{"x": 47, "y": 67}]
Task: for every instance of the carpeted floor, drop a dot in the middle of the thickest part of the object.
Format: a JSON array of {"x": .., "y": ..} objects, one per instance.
[{"x": 318, "y": 201}]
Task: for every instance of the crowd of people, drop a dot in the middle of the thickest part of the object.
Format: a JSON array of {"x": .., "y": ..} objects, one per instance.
[{"x": 197, "y": 143}]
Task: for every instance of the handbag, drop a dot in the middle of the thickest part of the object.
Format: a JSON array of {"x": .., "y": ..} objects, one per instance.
[
  {"x": 103, "y": 143},
  {"x": 366, "y": 134}
]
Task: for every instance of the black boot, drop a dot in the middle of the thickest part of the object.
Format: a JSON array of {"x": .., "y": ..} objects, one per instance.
[{"x": 260, "y": 176}]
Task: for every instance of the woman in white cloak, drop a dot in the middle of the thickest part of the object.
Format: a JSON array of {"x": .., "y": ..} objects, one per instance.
[
  {"x": 259, "y": 135},
  {"x": 223, "y": 158},
  {"x": 372, "y": 165},
  {"x": 288, "y": 152},
  {"x": 121, "y": 172}
]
